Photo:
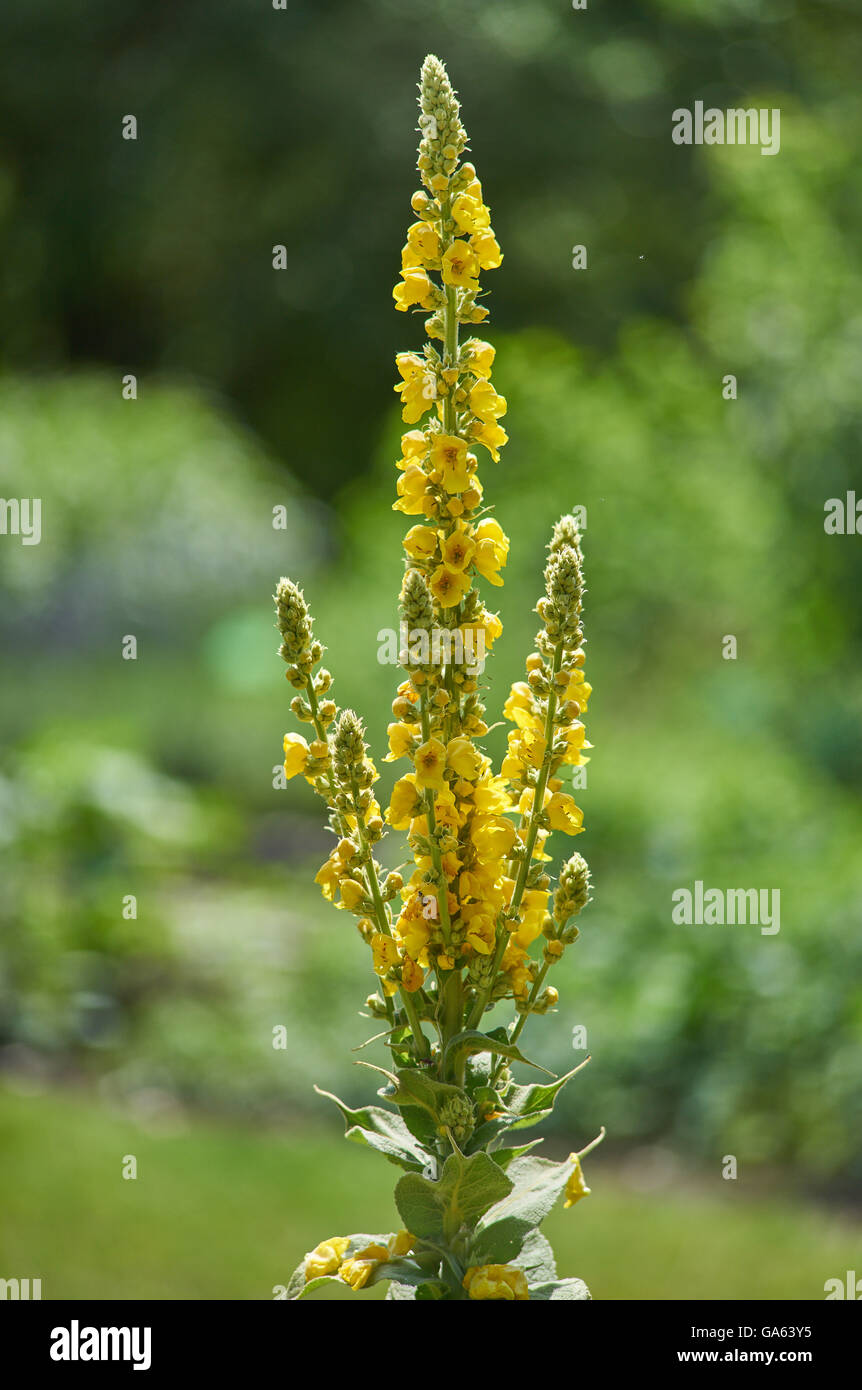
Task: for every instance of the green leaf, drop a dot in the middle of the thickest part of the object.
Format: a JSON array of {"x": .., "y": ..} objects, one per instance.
[
  {"x": 382, "y": 1130},
  {"x": 531, "y": 1103},
  {"x": 506, "y": 1156},
  {"x": 463, "y": 1044},
  {"x": 421, "y": 1125},
  {"x": 410, "y": 1086},
  {"x": 536, "y": 1259},
  {"x": 557, "y": 1290},
  {"x": 433, "y": 1289},
  {"x": 467, "y": 1187},
  {"x": 400, "y": 1293},
  {"x": 401, "y": 1271},
  {"x": 525, "y": 1106},
  {"x": 486, "y": 1134},
  {"x": 536, "y": 1185},
  {"x": 313, "y": 1284},
  {"x": 417, "y": 1088}
]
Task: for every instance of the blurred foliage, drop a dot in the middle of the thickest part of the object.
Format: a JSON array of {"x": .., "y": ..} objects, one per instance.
[
  {"x": 705, "y": 517},
  {"x": 260, "y": 127}
]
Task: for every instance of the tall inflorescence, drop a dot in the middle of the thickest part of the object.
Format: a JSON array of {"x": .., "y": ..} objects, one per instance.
[{"x": 475, "y": 921}]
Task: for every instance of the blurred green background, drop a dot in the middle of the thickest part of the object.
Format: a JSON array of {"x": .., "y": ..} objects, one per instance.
[{"x": 260, "y": 389}]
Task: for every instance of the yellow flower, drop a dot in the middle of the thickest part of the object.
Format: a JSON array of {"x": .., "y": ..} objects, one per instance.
[
  {"x": 296, "y": 754},
  {"x": 429, "y": 761},
  {"x": 325, "y": 1257},
  {"x": 404, "y": 802},
  {"x": 414, "y": 933},
  {"x": 415, "y": 288},
  {"x": 493, "y": 628},
  {"x": 491, "y": 795},
  {"x": 470, "y": 214},
  {"x": 457, "y": 550},
  {"x": 492, "y": 548},
  {"x": 575, "y": 741},
  {"x": 411, "y": 487},
  {"x": 446, "y": 812},
  {"x": 576, "y": 1188},
  {"x": 578, "y": 689},
  {"x": 423, "y": 241},
  {"x": 448, "y": 586},
  {"x": 487, "y": 249},
  {"x": 493, "y": 436},
  {"x": 520, "y": 707},
  {"x": 358, "y": 1269},
  {"x": 516, "y": 964},
  {"x": 401, "y": 1244},
  {"x": 496, "y": 1281},
  {"x": 491, "y": 530},
  {"x": 449, "y": 456},
  {"x": 329, "y": 877},
  {"x": 485, "y": 403},
  {"x": 414, "y": 445},
  {"x": 401, "y": 738},
  {"x": 493, "y": 836},
  {"x": 464, "y": 758},
  {"x": 480, "y": 356},
  {"x": 420, "y": 542},
  {"x": 352, "y": 894},
  {"x": 460, "y": 265},
  {"x": 534, "y": 905},
  {"x": 384, "y": 952},
  {"x": 481, "y": 929},
  {"x": 412, "y": 975},
  {"x": 564, "y": 814}
]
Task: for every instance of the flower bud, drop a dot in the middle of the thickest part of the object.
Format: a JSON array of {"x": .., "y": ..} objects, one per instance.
[
  {"x": 573, "y": 890},
  {"x": 294, "y": 623}
]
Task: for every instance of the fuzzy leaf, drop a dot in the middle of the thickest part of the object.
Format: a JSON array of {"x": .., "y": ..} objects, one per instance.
[
  {"x": 463, "y": 1044},
  {"x": 400, "y": 1272},
  {"x": 536, "y": 1259},
  {"x": 501, "y": 1232},
  {"x": 531, "y": 1103},
  {"x": 382, "y": 1130},
  {"x": 306, "y": 1289},
  {"x": 506, "y": 1156},
  {"x": 467, "y": 1187},
  {"x": 400, "y": 1293},
  {"x": 557, "y": 1290},
  {"x": 525, "y": 1106}
]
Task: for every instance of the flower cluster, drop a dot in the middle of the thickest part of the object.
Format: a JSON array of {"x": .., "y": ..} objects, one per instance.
[{"x": 456, "y": 936}]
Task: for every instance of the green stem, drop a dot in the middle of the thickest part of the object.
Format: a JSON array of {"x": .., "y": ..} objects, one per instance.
[{"x": 534, "y": 993}]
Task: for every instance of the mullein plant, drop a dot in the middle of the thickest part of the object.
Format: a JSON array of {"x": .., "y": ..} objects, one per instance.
[{"x": 476, "y": 923}]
